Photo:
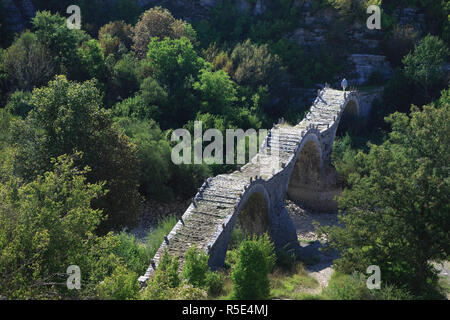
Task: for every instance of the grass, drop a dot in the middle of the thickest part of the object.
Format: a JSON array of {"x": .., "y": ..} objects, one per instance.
[
  {"x": 292, "y": 285},
  {"x": 155, "y": 237}
]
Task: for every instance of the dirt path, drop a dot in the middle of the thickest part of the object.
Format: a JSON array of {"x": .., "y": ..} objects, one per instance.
[{"x": 321, "y": 269}]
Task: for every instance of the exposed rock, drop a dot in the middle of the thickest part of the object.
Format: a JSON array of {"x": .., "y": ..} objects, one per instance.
[{"x": 366, "y": 65}]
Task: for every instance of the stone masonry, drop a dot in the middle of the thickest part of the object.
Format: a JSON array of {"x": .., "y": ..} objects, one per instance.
[{"x": 302, "y": 172}]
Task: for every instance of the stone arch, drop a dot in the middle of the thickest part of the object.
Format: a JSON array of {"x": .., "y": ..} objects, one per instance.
[
  {"x": 306, "y": 176},
  {"x": 256, "y": 196},
  {"x": 253, "y": 212},
  {"x": 348, "y": 117}
]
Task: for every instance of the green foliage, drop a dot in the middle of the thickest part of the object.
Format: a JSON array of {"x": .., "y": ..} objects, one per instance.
[
  {"x": 164, "y": 280},
  {"x": 424, "y": 65},
  {"x": 123, "y": 78},
  {"x": 114, "y": 36},
  {"x": 156, "y": 236},
  {"x": 28, "y": 62},
  {"x": 158, "y": 22},
  {"x": 68, "y": 117},
  {"x": 286, "y": 258},
  {"x": 353, "y": 287},
  {"x": 344, "y": 159},
  {"x": 256, "y": 259},
  {"x": 398, "y": 202},
  {"x": 347, "y": 287},
  {"x": 217, "y": 92},
  {"x": 135, "y": 255},
  {"x": 214, "y": 283},
  {"x": 195, "y": 268},
  {"x": 51, "y": 31},
  {"x": 46, "y": 226},
  {"x": 175, "y": 65},
  {"x": 154, "y": 153},
  {"x": 19, "y": 103},
  {"x": 122, "y": 284},
  {"x": 92, "y": 62},
  {"x": 291, "y": 284}
]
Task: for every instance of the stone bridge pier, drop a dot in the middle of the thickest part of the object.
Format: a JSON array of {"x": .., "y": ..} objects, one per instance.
[{"x": 293, "y": 162}]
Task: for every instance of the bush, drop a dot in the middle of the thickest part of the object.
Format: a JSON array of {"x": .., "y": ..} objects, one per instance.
[
  {"x": 286, "y": 258},
  {"x": 155, "y": 237},
  {"x": 135, "y": 255},
  {"x": 214, "y": 283},
  {"x": 121, "y": 285},
  {"x": 347, "y": 287},
  {"x": 195, "y": 267},
  {"x": 19, "y": 103},
  {"x": 165, "y": 278},
  {"x": 256, "y": 259},
  {"x": 354, "y": 287}
]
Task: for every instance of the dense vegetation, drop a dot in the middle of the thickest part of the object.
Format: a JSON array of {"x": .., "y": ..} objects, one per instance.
[{"x": 86, "y": 118}]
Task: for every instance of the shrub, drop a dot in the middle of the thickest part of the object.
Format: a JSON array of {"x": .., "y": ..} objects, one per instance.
[
  {"x": 19, "y": 103},
  {"x": 165, "y": 278},
  {"x": 195, "y": 267},
  {"x": 347, "y": 287},
  {"x": 121, "y": 285},
  {"x": 156, "y": 236},
  {"x": 256, "y": 259},
  {"x": 135, "y": 255},
  {"x": 158, "y": 22},
  {"x": 214, "y": 283}
]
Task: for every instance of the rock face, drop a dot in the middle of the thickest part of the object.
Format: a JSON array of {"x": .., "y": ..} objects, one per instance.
[
  {"x": 18, "y": 13},
  {"x": 366, "y": 65}
]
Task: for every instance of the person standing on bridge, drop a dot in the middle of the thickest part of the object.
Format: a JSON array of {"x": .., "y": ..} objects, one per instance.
[{"x": 344, "y": 84}]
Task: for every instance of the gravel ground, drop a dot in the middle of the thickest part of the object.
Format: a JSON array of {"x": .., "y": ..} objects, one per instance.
[{"x": 306, "y": 232}]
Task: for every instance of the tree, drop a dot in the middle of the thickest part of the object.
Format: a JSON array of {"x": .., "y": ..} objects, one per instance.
[
  {"x": 92, "y": 62},
  {"x": 396, "y": 212},
  {"x": 175, "y": 65},
  {"x": 255, "y": 260},
  {"x": 424, "y": 65},
  {"x": 47, "y": 225},
  {"x": 28, "y": 62},
  {"x": 217, "y": 92},
  {"x": 114, "y": 35},
  {"x": 62, "y": 42},
  {"x": 68, "y": 117},
  {"x": 158, "y": 22}
]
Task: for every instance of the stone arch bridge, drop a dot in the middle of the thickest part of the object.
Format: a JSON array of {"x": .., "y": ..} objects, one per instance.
[{"x": 253, "y": 197}]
